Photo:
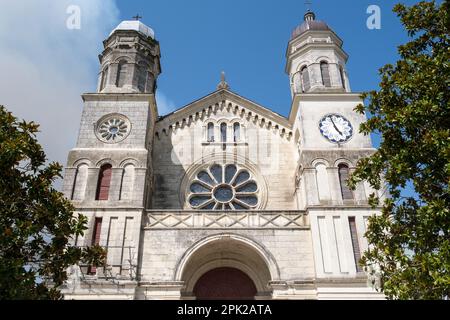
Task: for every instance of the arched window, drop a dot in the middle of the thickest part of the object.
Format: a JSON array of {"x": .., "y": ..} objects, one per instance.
[
  {"x": 210, "y": 132},
  {"x": 305, "y": 79},
  {"x": 237, "y": 131},
  {"x": 325, "y": 72},
  {"x": 104, "y": 78},
  {"x": 341, "y": 71},
  {"x": 80, "y": 182},
  {"x": 223, "y": 132},
  {"x": 104, "y": 181},
  {"x": 121, "y": 73},
  {"x": 142, "y": 76},
  {"x": 343, "y": 170}
]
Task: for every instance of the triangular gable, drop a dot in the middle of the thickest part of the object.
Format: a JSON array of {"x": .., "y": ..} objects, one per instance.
[{"x": 202, "y": 107}]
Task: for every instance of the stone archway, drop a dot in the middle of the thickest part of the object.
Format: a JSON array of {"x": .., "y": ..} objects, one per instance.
[
  {"x": 244, "y": 260},
  {"x": 225, "y": 284}
]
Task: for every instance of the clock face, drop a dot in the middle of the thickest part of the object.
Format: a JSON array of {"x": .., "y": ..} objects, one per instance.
[{"x": 336, "y": 128}]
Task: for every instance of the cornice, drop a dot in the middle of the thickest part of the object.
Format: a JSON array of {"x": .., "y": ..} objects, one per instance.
[{"x": 223, "y": 98}]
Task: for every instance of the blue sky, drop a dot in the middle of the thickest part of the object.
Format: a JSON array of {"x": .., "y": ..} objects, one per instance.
[
  {"x": 46, "y": 67},
  {"x": 248, "y": 40}
]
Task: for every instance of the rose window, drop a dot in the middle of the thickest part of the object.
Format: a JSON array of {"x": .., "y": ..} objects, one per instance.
[
  {"x": 113, "y": 129},
  {"x": 223, "y": 187}
]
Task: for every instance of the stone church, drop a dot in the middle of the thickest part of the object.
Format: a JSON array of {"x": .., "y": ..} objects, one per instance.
[{"x": 222, "y": 198}]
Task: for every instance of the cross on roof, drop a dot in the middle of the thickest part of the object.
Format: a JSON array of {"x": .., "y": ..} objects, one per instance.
[{"x": 137, "y": 17}]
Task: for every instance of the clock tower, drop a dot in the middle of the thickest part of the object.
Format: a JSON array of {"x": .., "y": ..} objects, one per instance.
[{"x": 329, "y": 146}]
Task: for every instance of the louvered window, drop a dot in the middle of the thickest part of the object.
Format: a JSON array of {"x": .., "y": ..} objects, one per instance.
[
  {"x": 223, "y": 132},
  {"x": 347, "y": 194},
  {"x": 325, "y": 72},
  {"x": 121, "y": 73},
  {"x": 104, "y": 181},
  {"x": 305, "y": 79},
  {"x": 142, "y": 77},
  {"x": 355, "y": 243}
]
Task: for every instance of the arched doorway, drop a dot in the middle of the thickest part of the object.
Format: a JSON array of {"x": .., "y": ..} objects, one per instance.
[
  {"x": 225, "y": 284},
  {"x": 231, "y": 259}
]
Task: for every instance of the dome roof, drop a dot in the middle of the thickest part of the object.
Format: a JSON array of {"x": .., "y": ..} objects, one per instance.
[
  {"x": 309, "y": 24},
  {"x": 136, "y": 26}
]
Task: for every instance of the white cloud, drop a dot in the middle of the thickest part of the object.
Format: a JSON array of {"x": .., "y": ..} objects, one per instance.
[{"x": 45, "y": 67}]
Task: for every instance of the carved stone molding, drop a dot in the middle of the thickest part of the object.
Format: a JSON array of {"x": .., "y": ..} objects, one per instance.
[{"x": 227, "y": 220}]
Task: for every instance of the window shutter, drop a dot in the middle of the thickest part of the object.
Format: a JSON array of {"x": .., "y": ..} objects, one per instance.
[
  {"x": 104, "y": 181},
  {"x": 347, "y": 194},
  {"x": 325, "y": 74},
  {"x": 355, "y": 243}
]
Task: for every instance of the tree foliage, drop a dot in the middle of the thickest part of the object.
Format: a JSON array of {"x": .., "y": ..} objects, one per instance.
[
  {"x": 36, "y": 221},
  {"x": 410, "y": 240}
]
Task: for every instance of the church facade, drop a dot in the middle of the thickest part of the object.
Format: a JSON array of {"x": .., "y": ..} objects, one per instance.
[{"x": 222, "y": 198}]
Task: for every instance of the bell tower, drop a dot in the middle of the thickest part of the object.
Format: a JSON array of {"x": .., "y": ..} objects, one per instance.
[
  {"x": 315, "y": 59},
  {"x": 130, "y": 61},
  {"x": 329, "y": 147},
  {"x": 109, "y": 173},
  {"x": 325, "y": 120}
]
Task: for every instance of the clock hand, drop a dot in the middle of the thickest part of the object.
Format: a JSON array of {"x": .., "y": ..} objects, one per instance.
[{"x": 335, "y": 126}]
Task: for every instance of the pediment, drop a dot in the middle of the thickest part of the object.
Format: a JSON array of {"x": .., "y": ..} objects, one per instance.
[{"x": 223, "y": 103}]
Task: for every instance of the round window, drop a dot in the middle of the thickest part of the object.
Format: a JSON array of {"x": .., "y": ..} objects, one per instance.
[
  {"x": 113, "y": 128},
  {"x": 223, "y": 187}
]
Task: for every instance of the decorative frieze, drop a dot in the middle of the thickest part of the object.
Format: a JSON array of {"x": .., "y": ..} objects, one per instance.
[{"x": 227, "y": 220}]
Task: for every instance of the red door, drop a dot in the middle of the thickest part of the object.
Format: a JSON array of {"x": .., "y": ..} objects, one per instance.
[{"x": 225, "y": 284}]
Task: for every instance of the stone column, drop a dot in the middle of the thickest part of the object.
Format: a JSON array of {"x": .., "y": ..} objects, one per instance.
[
  {"x": 335, "y": 75},
  {"x": 335, "y": 186},
  {"x": 116, "y": 184},
  {"x": 91, "y": 187},
  {"x": 112, "y": 75},
  {"x": 68, "y": 182},
  {"x": 140, "y": 175},
  {"x": 312, "y": 192},
  {"x": 315, "y": 76}
]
